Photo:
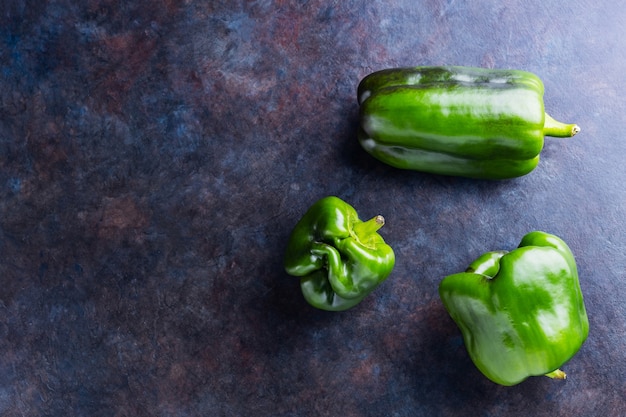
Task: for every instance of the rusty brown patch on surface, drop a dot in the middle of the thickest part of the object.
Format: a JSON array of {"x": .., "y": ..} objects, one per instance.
[{"x": 121, "y": 216}]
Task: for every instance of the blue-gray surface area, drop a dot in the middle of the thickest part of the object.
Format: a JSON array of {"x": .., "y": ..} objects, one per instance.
[{"x": 155, "y": 156}]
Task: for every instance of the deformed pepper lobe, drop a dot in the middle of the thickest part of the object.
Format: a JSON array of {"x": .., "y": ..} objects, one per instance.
[{"x": 339, "y": 258}]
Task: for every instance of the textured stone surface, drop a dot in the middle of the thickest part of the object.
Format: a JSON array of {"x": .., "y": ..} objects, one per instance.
[{"x": 154, "y": 156}]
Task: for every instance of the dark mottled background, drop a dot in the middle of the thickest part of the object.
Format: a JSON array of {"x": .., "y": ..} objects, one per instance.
[{"x": 154, "y": 156}]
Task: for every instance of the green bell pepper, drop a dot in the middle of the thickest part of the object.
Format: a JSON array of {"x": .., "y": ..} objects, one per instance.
[
  {"x": 521, "y": 313},
  {"x": 462, "y": 121},
  {"x": 339, "y": 258}
]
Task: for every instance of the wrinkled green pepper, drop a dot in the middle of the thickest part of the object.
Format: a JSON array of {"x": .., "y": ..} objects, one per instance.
[
  {"x": 339, "y": 258},
  {"x": 521, "y": 313},
  {"x": 461, "y": 121}
]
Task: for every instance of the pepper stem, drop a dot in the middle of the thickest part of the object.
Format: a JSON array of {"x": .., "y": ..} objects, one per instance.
[
  {"x": 552, "y": 127},
  {"x": 364, "y": 229},
  {"x": 556, "y": 374}
]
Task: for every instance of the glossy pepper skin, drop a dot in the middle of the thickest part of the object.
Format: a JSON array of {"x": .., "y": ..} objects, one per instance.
[
  {"x": 461, "y": 121},
  {"x": 521, "y": 313},
  {"x": 339, "y": 258}
]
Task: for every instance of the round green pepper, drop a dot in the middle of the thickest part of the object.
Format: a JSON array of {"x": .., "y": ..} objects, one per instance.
[{"x": 521, "y": 313}]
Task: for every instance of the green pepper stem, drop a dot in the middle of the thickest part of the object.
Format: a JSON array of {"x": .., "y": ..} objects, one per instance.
[
  {"x": 552, "y": 127},
  {"x": 556, "y": 374},
  {"x": 364, "y": 229}
]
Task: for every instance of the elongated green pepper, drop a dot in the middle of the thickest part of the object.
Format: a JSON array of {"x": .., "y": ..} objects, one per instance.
[
  {"x": 521, "y": 313},
  {"x": 462, "y": 121},
  {"x": 339, "y": 258}
]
